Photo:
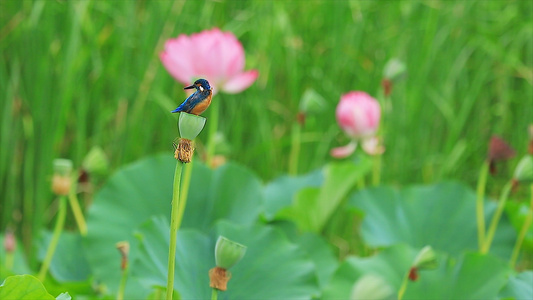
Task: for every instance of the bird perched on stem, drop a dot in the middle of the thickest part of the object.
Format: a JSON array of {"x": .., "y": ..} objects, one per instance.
[{"x": 199, "y": 101}]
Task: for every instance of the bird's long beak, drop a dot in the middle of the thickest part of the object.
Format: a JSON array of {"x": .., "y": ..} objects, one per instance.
[{"x": 189, "y": 87}]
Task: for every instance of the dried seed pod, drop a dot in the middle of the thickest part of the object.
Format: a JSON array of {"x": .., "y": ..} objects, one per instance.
[
  {"x": 218, "y": 278},
  {"x": 184, "y": 150}
]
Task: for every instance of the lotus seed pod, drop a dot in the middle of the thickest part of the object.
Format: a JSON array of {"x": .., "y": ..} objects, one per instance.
[
  {"x": 184, "y": 151},
  {"x": 394, "y": 69},
  {"x": 124, "y": 248},
  {"x": 524, "y": 170},
  {"x": 190, "y": 125},
  {"x": 218, "y": 278},
  {"x": 228, "y": 253},
  {"x": 62, "y": 166},
  {"x": 96, "y": 161},
  {"x": 312, "y": 102},
  {"x": 61, "y": 179},
  {"x": 426, "y": 259},
  {"x": 371, "y": 287},
  {"x": 61, "y": 184}
]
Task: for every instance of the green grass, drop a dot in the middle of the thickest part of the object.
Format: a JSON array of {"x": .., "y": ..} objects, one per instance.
[{"x": 77, "y": 74}]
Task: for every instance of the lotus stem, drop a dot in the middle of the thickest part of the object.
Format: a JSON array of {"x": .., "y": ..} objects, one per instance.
[
  {"x": 480, "y": 211},
  {"x": 523, "y": 232},
  {"x": 189, "y": 127},
  {"x": 124, "y": 249},
  {"x": 295, "y": 148},
  {"x": 60, "y": 222},
  {"x": 76, "y": 210},
  {"x": 122, "y": 286},
  {"x": 376, "y": 170},
  {"x": 496, "y": 218},
  {"x": 174, "y": 225},
  {"x": 214, "y": 294},
  {"x": 403, "y": 287},
  {"x": 184, "y": 191}
]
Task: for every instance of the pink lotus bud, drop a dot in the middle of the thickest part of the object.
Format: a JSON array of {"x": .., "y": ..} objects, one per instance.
[
  {"x": 358, "y": 114},
  {"x": 9, "y": 241}
]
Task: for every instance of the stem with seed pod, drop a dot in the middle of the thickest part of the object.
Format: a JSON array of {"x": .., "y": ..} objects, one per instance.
[{"x": 189, "y": 127}]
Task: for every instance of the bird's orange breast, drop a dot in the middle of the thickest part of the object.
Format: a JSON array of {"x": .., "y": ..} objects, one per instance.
[{"x": 202, "y": 106}]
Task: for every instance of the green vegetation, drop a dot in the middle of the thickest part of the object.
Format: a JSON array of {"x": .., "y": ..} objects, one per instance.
[{"x": 76, "y": 76}]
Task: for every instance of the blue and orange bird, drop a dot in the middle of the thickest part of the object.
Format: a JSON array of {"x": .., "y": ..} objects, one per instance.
[{"x": 198, "y": 101}]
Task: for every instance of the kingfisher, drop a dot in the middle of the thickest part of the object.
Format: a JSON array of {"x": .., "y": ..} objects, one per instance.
[{"x": 199, "y": 101}]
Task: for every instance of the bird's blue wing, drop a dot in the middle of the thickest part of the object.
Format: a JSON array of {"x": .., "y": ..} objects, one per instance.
[{"x": 188, "y": 104}]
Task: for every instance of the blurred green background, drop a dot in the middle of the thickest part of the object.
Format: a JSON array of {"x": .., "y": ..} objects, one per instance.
[{"x": 79, "y": 74}]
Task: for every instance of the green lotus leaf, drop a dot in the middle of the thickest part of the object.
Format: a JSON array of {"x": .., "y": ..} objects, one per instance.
[
  {"x": 63, "y": 296},
  {"x": 519, "y": 286},
  {"x": 144, "y": 189},
  {"x": 317, "y": 248},
  {"x": 313, "y": 207},
  {"x": 69, "y": 262},
  {"x": 517, "y": 212},
  {"x": 321, "y": 253},
  {"x": 273, "y": 267},
  {"x": 391, "y": 265},
  {"x": 194, "y": 258},
  {"x": 471, "y": 276},
  {"x": 442, "y": 216},
  {"x": 26, "y": 287},
  {"x": 280, "y": 192}
]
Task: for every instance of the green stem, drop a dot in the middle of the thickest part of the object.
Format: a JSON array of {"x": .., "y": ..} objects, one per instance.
[
  {"x": 403, "y": 287},
  {"x": 213, "y": 126},
  {"x": 122, "y": 286},
  {"x": 214, "y": 294},
  {"x": 60, "y": 222},
  {"x": 376, "y": 171},
  {"x": 184, "y": 191},
  {"x": 174, "y": 229},
  {"x": 480, "y": 214},
  {"x": 295, "y": 148},
  {"x": 10, "y": 259},
  {"x": 496, "y": 218},
  {"x": 76, "y": 209},
  {"x": 523, "y": 232}
]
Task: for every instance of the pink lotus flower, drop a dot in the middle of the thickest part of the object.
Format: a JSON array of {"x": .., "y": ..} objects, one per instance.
[
  {"x": 211, "y": 54},
  {"x": 358, "y": 115}
]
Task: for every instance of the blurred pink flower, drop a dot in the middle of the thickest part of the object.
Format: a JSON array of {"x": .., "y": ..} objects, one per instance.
[
  {"x": 358, "y": 114},
  {"x": 9, "y": 241},
  {"x": 211, "y": 54}
]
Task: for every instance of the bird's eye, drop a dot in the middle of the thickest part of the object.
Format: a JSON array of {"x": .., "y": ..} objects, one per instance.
[{"x": 201, "y": 88}]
